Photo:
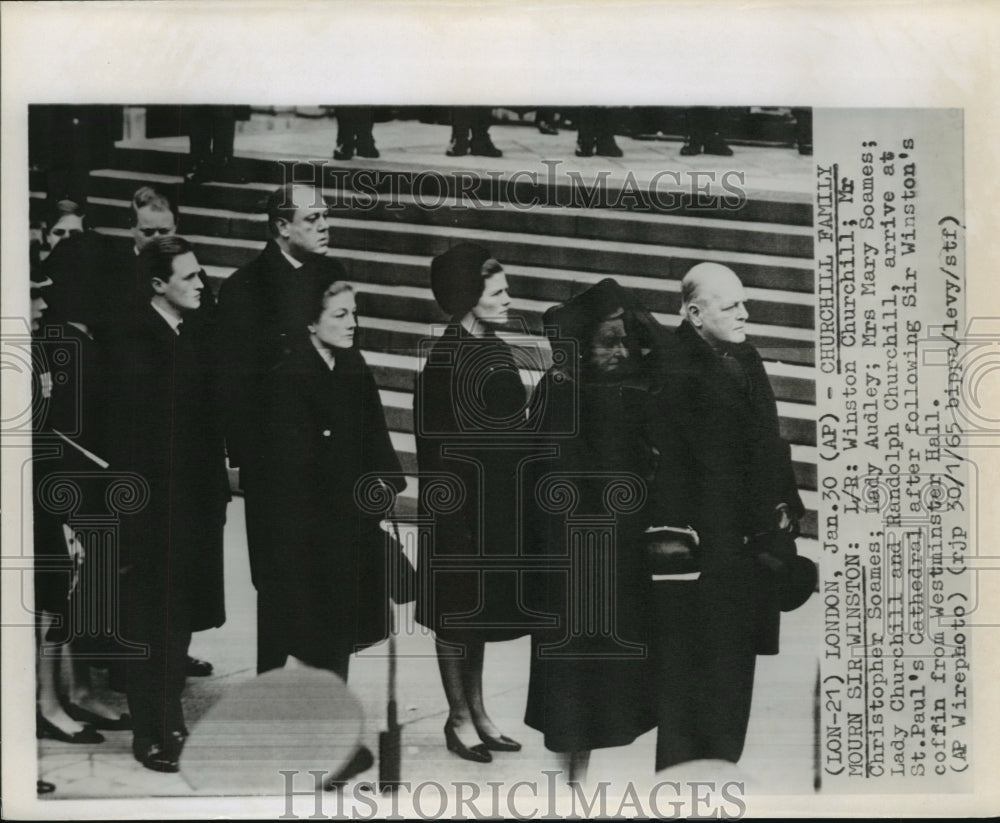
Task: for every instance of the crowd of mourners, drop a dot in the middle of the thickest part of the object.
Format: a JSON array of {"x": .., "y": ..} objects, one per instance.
[{"x": 634, "y": 511}]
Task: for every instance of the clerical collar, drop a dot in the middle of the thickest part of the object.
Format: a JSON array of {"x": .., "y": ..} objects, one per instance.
[{"x": 296, "y": 264}]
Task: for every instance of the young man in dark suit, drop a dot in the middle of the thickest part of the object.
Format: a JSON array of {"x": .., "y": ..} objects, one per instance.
[
  {"x": 164, "y": 426},
  {"x": 112, "y": 269}
]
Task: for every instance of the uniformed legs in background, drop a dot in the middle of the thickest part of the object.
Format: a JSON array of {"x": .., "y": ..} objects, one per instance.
[
  {"x": 67, "y": 142},
  {"x": 545, "y": 120},
  {"x": 212, "y": 132},
  {"x": 596, "y": 132},
  {"x": 803, "y": 130},
  {"x": 704, "y": 132},
  {"x": 470, "y": 132},
  {"x": 354, "y": 133}
]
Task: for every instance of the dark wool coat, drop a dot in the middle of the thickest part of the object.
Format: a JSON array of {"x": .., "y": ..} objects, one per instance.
[
  {"x": 593, "y": 692},
  {"x": 469, "y": 399},
  {"x": 76, "y": 409},
  {"x": 324, "y": 572},
  {"x": 722, "y": 427},
  {"x": 723, "y": 470},
  {"x": 164, "y": 426}
]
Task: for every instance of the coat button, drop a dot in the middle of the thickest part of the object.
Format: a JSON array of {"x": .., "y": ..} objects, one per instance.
[{"x": 326, "y": 432}]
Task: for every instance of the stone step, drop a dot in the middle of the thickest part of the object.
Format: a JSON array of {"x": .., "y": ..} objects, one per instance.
[
  {"x": 774, "y": 342},
  {"x": 605, "y": 256},
  {"x": 608, "y": 224},
  {"x": 767, "y": 306},
  {"x": 770, "y": 306},
  {"x": 398, "y": 405},
  {"x": 407, "y": 337},
  {"x": 785, "y": 208},
  {"x": 791, "y": 385}
]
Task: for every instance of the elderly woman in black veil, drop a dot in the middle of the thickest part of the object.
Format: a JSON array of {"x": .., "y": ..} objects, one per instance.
[{"x": 588, "y": 687}]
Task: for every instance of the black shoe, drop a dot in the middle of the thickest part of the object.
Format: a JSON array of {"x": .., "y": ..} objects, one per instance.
[
  {"x": 584, "y": 151},
  {"x": 608, "y": 148},
  {"x": 343, "y": 153},
  {"x": 82, "y": 715},
  {"x": 47, "y": 730},
  {"x": 200, "y": 173},
  {"x": 159, "y": 757},
  {"x": 485, "y": 148},
  {"x": 690, "y": 149},
  {"x": 477, "y": 753},
  {"x": 198, "y": 668},
  {"x": 500, "y": 744},
  {"x": 368, "y": 151},
  {"x": 362, "y": 761},
  {"x": 716, "y": 145},
  {"x": 44, "y": 787},
  {"x": 457, "y": 148},
  {"x": 545, "y": 127}
]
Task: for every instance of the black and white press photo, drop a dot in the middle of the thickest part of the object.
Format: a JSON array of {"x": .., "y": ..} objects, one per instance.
[{"x": 550, "y": 451}]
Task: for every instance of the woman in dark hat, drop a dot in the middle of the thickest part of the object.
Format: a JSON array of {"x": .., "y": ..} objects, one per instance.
[
  {"x": 588, "y": 688},
  {"x": 469, "y": 408}
]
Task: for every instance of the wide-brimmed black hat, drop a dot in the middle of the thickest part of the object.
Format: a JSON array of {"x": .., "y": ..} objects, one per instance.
[
  {"x": 580, "y": 315},
  {"x": 457, "y": 277}
]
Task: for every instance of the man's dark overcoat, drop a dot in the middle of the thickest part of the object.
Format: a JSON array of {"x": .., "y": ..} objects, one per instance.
[
  {"x": 164, "y": 427},
  {"x": 724, "y": 469}
]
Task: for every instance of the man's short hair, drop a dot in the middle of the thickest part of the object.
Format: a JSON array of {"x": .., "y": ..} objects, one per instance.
[
  {"x": 61, "y": 208},
  {"x": 148, "y": 197},
  {"x": 689, "y": 291},
  {"x": 281, "y": 204},
  {"x": 156, "y": 260}
]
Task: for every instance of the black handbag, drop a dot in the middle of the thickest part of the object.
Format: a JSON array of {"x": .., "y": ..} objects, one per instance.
[{"x": 671, "y": 550}]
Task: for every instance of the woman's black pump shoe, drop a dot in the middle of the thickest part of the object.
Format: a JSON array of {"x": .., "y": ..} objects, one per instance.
[
  {"x": 500, "y": 744},
  {"x": 477, "y": 753}
]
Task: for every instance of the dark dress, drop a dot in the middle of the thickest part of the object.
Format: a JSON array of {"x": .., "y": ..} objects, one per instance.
[
  {"x": 588, "y": 685},
  {"x": 469, "y": 414},
  {"x": 75, "y": 411},
  {"x": 322, "y": 587},
  {"x": 724, "y": 469}
]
